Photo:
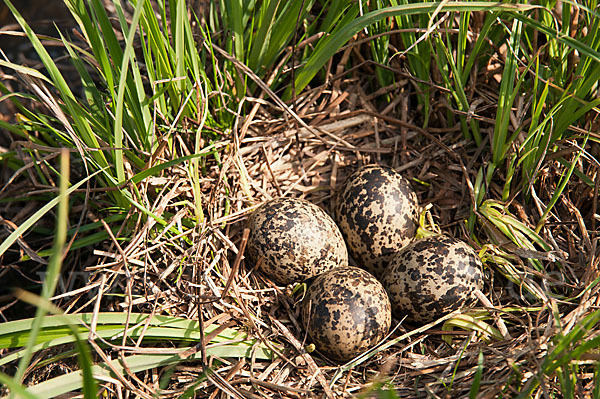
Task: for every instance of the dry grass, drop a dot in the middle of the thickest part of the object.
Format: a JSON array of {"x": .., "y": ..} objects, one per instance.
[{"x": 268, "y": 155}]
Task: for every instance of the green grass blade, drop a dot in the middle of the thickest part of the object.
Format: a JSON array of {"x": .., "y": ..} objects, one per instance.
[
  {"x": 457, "y": 89},
  {"x": 90, "y": 239},
  {"x": 90, "y": 30},
  {"x": 265, "y": 22},
  {"x": 128, "y": 56},
  {"x": 180, "y": 55},
  {"x": 573, "y": 43},
  {"x": 84, "y": 359},
  {"x": 53, "y": 337},
  {"x": 22, "y": 69},
  {"x": 22, "y": 326},
  {"x": 477, "y": 379},
  {"x": 54, "y": 264}
]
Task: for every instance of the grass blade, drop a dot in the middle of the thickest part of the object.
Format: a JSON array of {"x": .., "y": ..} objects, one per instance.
[
  {"x": 54, "y": 264},
  {"x": 477, "y": 379}
]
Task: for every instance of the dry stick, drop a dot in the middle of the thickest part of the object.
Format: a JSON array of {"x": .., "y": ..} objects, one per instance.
[
  {"x": 217, "y": 331},
  {"x": 595, "y": 201},
  {"x": 220, "y": 382},
  {"x": 22, "y": 244},
  {"x": 236, "y": 263},
  {"x": 312, "y": 366},
  {"x": 147, "y": 323},
  {"x": 27, "y": 166},
  {"x": 260, "y": 335},
  {"x": 76, "y": 291},
  {"x": 584, "y": 232},
  {"x": 403, "y": 129},
  {"x": 199, "y": 304},
  {"x": 97, "y": 308},
  {"x": 394, "y": 70},
  {"x": 273, "y": 178},
  {"x": 270, "y": 80},
  {"x": 377, "y": 138},
  {"x": 499, "y": 321},
  {"x": 238, "y": 366},
  {"x": 269, "y": 385}
]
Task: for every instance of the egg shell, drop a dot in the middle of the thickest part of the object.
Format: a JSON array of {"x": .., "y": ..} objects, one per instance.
[
  {"x": 345, "y": 312},
  {"x": 376, "y": 210},
  {"x": 293, "y": 239},
  {"x": 431, "y": 277}
]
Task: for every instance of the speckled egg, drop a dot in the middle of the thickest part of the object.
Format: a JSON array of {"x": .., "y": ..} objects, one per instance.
[
  {"x": 346, "y": 311},
  {"x": 431, "y": 277},
  {"x": 377, "y": 210},
  {"x": 292, "y": 240}
]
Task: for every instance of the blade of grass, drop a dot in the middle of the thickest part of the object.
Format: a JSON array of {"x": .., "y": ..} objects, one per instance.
[
  {"x": 477, "y": 379},
  {"x": 472, "y": 322},
  {"x": 54, "y": 264},
  {"x": 564, "y": 179},
  {"x": 566, "y": 348},
  {"x": 265, "y": 22},
  {"x": 127, "y": 58}
]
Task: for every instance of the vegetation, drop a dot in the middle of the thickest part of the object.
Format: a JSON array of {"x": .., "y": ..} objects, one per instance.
[{"x": 137, "y": 143}]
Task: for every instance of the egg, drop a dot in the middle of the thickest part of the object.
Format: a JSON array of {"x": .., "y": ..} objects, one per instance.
[
  {"x": 293, "y": 239},
  {"x": 345, "y": 311},
  {"x": 376, "y": 210},
  {"x": 431, "y": 277}
]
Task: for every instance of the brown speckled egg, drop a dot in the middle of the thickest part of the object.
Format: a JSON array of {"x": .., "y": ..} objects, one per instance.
[
  {"x": 431, "y": 277},
  {"x": 377, "y": 210},
  {"x": 293, "y": 240},
  {"x": 345, "y": 312}
]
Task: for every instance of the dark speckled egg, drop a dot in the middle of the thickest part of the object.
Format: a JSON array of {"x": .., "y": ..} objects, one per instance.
[
  {"x": 377, "y": 211},
  {"x": 345, "y": 312},
  {"x": 292, "y": 240},
  {"x": 431, "y": 277}
]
